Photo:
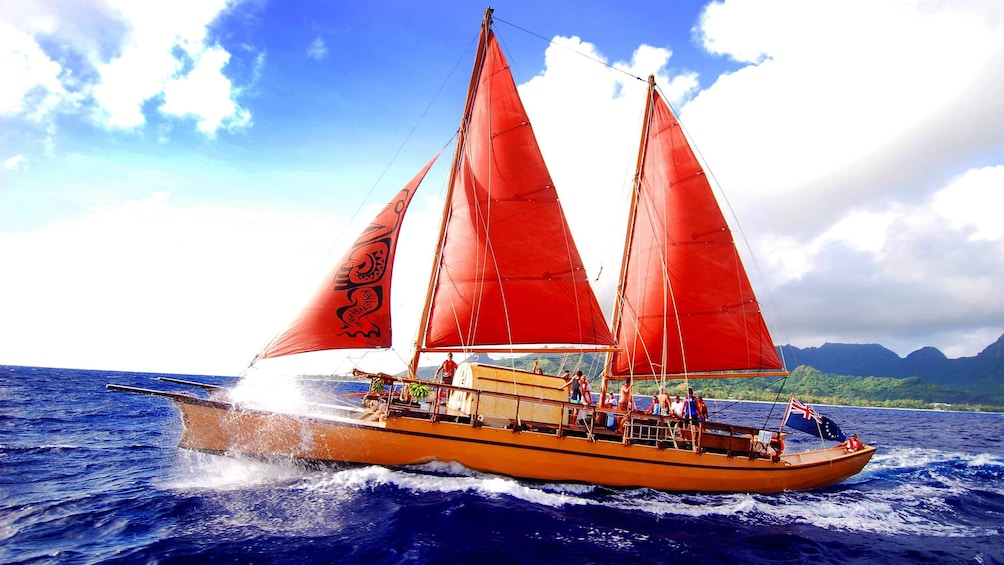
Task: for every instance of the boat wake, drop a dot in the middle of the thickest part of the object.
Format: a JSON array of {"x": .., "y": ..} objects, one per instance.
[{"x": 908, "y": 507}]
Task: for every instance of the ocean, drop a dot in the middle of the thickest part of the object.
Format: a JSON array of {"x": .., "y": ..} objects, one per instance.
[{"x": 93, "y": 476}]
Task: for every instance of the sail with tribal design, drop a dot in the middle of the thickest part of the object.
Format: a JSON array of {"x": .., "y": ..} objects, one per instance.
[{"x": 351, "y": 309}]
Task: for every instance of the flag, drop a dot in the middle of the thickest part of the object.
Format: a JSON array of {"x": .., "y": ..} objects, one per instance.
[{"x": 804, "y": 418}]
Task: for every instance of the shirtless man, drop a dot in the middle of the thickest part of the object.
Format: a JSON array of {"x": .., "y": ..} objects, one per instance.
[
  {"x": 625, "y": 401},
  {"x": 663, "y": 399}
]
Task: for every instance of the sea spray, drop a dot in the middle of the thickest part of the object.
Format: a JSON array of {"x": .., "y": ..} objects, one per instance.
[{"x": 270, "y": 391}]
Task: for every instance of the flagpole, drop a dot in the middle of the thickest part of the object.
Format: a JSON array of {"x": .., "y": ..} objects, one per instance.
[
  {"x": 819, "y": 426},
  {"x": 787, "y": 411}
]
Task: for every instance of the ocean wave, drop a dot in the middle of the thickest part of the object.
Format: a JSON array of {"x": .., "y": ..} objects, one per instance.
[{"x": 909, "y": 508}]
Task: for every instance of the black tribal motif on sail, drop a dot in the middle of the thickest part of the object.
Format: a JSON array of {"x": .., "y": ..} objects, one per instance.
[{"x": 363, "y": 280}]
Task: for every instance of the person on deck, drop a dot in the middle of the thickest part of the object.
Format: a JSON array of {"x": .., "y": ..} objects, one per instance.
[
  {"x": 702, "y": 409},
  {"x": 574, "y": 388},
  {"x": 587, "y": 395},
  {"x": 574, "y": 393},
  {"x": 611, "y": 403},
  {"x": 690, "y": 413},
  {"x": 447, "y": 368},
  {"x": 654, "y": 408},
  {"x": 852, "y": 444},
  {"x": 626, "y": 401},
  {"x": 676, "y": 407},
  {"x": 663, "y": 401}
]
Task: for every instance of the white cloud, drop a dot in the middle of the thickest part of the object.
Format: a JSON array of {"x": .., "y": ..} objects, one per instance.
[
  {"x": 16, "y": 163},
  {"x": 974, "y": 202},
  {"x": 150, "y": 285},
  {"x": 31, "y": 83},
  {"x": 905, "y": 276},
  {"x": 317, "y": 50},
  {"x": 842, "y": 145},
  {"x": 166, "y": 52},
  {"x": 206, "y": 94},
  {"x": 112, "y": 58},
  {"x": 156, "y": 286},
  {"x": 851, "y": 88}
]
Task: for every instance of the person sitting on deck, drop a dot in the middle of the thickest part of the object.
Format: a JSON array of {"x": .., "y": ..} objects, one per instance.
[
  {"x": 611, "y": 403},
  {"x": 654, "y": 408},
  {"x": 852, "y": 444}
]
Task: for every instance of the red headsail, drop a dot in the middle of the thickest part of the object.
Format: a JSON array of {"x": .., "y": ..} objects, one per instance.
[
  {"x": 686, "y": 302},
  {"x": 352, "y": 308}
]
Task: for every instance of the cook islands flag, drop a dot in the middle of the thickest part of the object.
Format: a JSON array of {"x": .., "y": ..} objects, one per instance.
[{"x": 804, "y": 418}]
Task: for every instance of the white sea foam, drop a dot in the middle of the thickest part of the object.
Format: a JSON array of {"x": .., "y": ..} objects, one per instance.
[
  {"x": 193, "y": 470},
  {"x": 448, "y": 478}
]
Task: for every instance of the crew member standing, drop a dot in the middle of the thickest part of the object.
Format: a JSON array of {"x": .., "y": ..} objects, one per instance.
[{"x": 447, "y": 368}]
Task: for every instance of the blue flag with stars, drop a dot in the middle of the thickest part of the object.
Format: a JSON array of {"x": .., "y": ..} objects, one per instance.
[{"x": 804, "y": 418}]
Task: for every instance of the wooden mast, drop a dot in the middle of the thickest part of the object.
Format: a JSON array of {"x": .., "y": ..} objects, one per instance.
[
  {"x": 479, "y": 58},
  {"x": 633, "y": 210}
]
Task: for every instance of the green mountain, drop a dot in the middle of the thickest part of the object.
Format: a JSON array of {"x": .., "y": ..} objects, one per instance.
[
  {"x": 925, "y": 374},
  {"x": 850, "y": 374}
]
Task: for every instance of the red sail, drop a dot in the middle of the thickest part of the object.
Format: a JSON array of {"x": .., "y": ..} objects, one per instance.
[
  {"x": 352, "y": 308},
  {"x": 509, "y": 272},
  {"x": 687, "y": 305}
]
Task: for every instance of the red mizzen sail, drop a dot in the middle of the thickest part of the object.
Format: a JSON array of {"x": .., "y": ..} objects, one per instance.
[
  {"x": 686, "y": 303},
  {"x": 509, "y": 272},
  {"x": 352, "y": 308}
]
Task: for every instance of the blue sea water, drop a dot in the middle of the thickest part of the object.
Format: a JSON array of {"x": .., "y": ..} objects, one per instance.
[{"x": 93, "y": 476}]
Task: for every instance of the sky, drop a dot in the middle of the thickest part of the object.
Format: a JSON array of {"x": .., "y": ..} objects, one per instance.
[{"x": 175, "y": 177}]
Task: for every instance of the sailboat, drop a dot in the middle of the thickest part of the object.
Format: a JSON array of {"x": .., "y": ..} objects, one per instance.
[{"x": 507, "y": 277}]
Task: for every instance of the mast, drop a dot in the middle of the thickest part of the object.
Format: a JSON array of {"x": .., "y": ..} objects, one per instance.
[
  {"x": 479, "y": 58},
  {"x": 685, "y": 305},
  {"x": 507, "y": 275},
  {"x": 632, "y": 214}
]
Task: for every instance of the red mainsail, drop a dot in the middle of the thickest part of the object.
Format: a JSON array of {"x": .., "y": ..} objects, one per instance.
[
  {"x": 509, "y": 272},
  {"x": 686, "y": 303},
  {"x": 351, "y": 309}
]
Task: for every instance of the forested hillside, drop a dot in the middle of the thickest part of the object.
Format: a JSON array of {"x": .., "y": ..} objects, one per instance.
[{"x": 858, "y": 375}]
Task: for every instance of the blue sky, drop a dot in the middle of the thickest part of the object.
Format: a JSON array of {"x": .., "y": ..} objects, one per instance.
[{"x": 175, "y": 175}]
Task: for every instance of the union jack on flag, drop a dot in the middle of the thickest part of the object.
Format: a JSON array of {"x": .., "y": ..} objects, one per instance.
[
  {"x": 804, "y": 418},
  {"x": 803, "y": 410}
]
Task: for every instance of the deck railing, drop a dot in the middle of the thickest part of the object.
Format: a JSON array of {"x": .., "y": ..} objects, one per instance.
[{"x": 589, "y": 421}]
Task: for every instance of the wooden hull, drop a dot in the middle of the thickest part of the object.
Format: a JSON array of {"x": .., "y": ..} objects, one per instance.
[{"x": 219, "y": 427}]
